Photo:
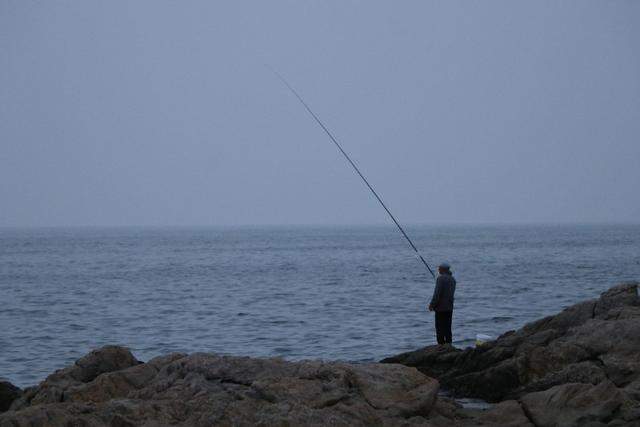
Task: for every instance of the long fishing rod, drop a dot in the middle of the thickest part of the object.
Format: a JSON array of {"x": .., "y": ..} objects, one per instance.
[{"x": 354, "y": 167}]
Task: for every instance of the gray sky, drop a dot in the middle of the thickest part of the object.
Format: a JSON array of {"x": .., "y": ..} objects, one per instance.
[{"x": 154, "y": 113}]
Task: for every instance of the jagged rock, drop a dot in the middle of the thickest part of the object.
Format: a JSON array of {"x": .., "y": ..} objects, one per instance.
[
  {"x": 52, "y": 389},
  {"x": 587, "y": 372},
  {"x": 8, "y": 393},
  {"x": 587, "y": 343},
  {"x": 624, "y": 295},
  {"x": 578, "y": 404},
  {"x": 445, "y": 412},
  {"x": 434, "y": 360},
  {"x": 106, "y": 359},
  {"x": 633, "y": 390},
  {"x": 505, "y": 414},
  {"x": 207, "y": 389}
]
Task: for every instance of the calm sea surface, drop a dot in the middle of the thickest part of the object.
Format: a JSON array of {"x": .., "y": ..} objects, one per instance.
[{"x": 348, "y": 293}]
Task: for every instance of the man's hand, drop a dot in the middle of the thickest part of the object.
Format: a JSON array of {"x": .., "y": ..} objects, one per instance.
[{"x": 430, "y": 307}]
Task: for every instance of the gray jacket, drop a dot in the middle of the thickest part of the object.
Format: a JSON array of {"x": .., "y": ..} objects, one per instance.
[{"x": 442, "y": 299}]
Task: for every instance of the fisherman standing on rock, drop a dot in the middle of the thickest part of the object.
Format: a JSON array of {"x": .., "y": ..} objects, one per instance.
[{"x": 442, "y": 303}]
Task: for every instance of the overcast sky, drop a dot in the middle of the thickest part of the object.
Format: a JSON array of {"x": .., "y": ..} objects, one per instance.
[{"x": 163, "y": 113}]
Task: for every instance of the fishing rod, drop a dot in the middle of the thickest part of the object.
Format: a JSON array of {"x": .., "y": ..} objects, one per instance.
[{"x": 346, "y": 156}]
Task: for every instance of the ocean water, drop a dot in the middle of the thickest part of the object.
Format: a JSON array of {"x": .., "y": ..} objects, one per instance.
[{"x": 338, "y": 293}]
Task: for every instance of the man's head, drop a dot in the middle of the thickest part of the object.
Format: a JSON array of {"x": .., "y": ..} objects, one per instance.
[{"x": 444, "y": 268}]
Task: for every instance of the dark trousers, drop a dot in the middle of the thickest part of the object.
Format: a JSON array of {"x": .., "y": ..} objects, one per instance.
[{"x": 443, "y": 326}]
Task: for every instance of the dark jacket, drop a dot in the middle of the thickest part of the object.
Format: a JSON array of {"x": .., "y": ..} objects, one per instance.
[{"x": 442, "y": 299}]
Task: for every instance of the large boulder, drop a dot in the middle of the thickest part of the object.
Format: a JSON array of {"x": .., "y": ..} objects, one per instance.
[
  {"x": 588, "y": 343},
  {"x": 208, "y": 389},
  {"x": 52, "y": 390},
  {"x": 8, "y": 393},
  {"x": 577, "y": 404}
]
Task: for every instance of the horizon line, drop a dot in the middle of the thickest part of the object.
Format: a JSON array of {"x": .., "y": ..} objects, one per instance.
[{"x": 296, "y": 225}]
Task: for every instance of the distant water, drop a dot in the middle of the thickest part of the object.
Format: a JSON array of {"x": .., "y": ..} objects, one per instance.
[{"x": 349, "y": 293}]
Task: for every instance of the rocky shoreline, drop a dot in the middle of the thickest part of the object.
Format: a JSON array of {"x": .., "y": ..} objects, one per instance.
[{"x": 579, "y": 367}]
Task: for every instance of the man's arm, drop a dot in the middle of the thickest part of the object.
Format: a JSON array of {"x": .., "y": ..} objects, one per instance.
[{"x": 436, "y": 294}]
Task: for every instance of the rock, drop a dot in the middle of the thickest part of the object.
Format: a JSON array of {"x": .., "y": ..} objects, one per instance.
[
  {"x": 208, "y": 389},
  {"x": 623, "y": 295},
  {"x": 433, "y": 360},
  {"x": 445, "y": 411},
  {"x": 493, "y": 380},
  {"x": 574, "y": 404},
  {"x": 587, "y": 372},
  {"x": 588, "y": 343},
  {"x": 8, "y": 393},
  {"x": 633, "y": 390},
  {"x": 100, "y": 361},
  {"x": 506, "y": 414},
  {"x": 105, "y": 359}
]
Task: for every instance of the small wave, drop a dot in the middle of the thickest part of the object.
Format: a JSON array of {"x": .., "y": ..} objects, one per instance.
[{"x": 502, "y": 318}]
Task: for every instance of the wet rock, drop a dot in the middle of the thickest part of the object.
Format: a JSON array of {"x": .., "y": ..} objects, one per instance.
[
  {"x": 8, "y": 393},
  {"x": 207, "y": 389}
]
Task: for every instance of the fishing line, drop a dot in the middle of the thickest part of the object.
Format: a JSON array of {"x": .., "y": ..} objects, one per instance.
[{"x": 346, "y": 156}]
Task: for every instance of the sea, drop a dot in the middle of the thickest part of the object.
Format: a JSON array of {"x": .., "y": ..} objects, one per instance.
[{"x": 351, "y": 293}]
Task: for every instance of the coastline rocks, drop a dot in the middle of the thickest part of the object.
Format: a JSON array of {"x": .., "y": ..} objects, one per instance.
[
  {"x": 579, "y": 367},
  {"x": 8, "y": 393},
  {"x": 578, "y": 404},
  {"x": 588, "y": 343},
  {"x": 86, "y": 369},
  {"x": 110, "y": 387}
]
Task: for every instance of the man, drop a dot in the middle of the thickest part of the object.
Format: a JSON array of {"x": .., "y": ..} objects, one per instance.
[{"x": 442, "y": 303}]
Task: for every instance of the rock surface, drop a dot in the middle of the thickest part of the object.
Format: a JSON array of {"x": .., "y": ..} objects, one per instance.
[
  {"x": 8, "y": 393},
  {"x": 578, "y": 404},
  {"x": 581, "y": 366},
  {"x": 109, "y": 387}
]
